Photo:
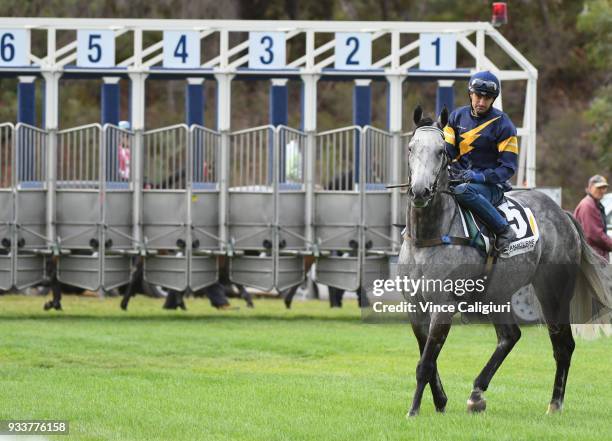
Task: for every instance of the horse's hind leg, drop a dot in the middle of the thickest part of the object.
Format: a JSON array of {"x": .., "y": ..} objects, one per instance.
[
  {"x": 425, "y": 372},
  {"x": 439, "y": 396},
  {"x": 563, "y": 347},
  {"x": 555, "y": 294},
  {"x": 508, "y": 333}
]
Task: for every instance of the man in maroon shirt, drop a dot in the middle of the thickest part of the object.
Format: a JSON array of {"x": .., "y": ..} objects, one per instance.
[{"x": 591, "y": 215}]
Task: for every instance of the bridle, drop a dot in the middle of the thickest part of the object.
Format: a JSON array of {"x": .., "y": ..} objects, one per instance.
[{"x": 444, "y": 165}]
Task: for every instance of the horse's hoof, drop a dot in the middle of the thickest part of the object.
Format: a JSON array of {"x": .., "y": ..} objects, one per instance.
[
  {"x": 412, "y": 413},
  {"x": 47, "y": 306},
  {"x": 554, "y": 407},
  {"x": 476, "y": 406},
  {"x": 57, "y": 307},
  {"x": 441, "y": 409}
]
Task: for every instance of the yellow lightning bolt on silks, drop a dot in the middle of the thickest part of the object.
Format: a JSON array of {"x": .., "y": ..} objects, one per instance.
[{"x": 470, "y": 136}]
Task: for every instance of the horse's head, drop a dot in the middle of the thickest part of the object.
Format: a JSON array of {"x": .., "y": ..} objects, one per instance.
[{"x": 427, "y": 158}]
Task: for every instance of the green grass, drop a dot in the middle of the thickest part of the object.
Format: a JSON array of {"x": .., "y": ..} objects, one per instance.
[{"x": 269, "y": 374}]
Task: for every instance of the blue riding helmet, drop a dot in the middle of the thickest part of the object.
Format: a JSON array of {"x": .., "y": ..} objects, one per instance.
[{"x": 484, "y": 83}]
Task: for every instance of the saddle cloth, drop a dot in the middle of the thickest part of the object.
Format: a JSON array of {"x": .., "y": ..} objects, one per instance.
[{"x": 519, "y": 217}]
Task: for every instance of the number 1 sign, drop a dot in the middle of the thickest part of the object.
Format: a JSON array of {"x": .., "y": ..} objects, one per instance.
[{"x": 438, "y": 52}]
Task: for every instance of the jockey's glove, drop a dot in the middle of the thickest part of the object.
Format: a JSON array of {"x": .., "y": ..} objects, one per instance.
[{"x": 472, "y": 176}]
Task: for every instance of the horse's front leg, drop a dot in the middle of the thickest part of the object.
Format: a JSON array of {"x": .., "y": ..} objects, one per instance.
[
  {"x": 426, "y": 369},
  {"x": 508, "y": 333},
  {"x": 439, "y": 396}
]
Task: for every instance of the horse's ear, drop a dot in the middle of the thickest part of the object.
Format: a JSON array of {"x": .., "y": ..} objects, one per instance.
[
  {"x": 418, "y": 114},
  {"x": 443, "y": 119}
]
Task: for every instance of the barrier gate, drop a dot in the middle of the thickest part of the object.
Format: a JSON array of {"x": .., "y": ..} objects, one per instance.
[
  {"x": 93, "y": 200},
  {"x": 266, "y": 215},
  {"x": 23, "y": 189},
  {"x": 353, "y": 209},
  {"x": 180, "y": 200}
]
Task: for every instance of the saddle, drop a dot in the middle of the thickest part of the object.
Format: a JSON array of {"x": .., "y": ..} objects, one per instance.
[
  {"x": 476, "y": 234},
  {"x": 519, "y": 217}
]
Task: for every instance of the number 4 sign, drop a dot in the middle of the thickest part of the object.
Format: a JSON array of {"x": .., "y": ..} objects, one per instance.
[
  {"x": 181, "y": 49},
  {"x": 438, "y": 52}
]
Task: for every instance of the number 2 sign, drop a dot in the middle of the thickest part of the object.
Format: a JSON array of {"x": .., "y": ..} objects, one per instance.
[
  {"x": 267, "y": 50},
  {"x": 353, "y": 50},
  {"x": 181, "y": 49},
  {"x": 438, "y": 52}
]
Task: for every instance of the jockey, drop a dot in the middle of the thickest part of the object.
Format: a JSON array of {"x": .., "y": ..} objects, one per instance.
[{"x": 481, "y": 142}]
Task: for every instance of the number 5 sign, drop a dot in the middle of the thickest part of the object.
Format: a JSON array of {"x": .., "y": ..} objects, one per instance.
[
  {"x": 267, "y": 50},
  {"x": 353, "y": 50},
  {"x": 182, "y": 49},
  {"x": 96, "y": 48},
  {"x": 438, "y": 52}
]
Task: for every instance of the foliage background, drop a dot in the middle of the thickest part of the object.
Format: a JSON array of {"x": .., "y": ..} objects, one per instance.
[{"x": 569, "y": 42}]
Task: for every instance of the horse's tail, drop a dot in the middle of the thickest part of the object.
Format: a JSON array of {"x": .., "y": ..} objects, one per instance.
[{"x": 594, "y": 282}]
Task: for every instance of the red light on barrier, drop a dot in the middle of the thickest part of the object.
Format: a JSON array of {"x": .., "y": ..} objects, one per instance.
[{"x": 500, "y": 14}]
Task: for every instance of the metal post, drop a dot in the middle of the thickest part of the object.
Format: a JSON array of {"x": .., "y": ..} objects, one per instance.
[
  {"x": 531, "y": 155},
  {"x": 51, "y": 125},
  {"x": 224, "y": 96},
  {"x": 395, "y": 127},
  {"x": 137, "y": 107},
  {"x": 309, "y": 118}
]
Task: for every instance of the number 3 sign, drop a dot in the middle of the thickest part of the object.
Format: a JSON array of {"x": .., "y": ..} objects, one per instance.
[{"x": 267, "y": 50}]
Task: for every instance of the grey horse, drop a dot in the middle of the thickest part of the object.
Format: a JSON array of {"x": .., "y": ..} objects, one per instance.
[{"x": 560, "y": 258}]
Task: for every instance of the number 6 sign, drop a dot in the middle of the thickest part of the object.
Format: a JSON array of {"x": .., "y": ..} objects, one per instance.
[
  {"x": 353, "y": 50},
  {"x": 267, "y": 50},
  {"x": 14, "y": 47}
]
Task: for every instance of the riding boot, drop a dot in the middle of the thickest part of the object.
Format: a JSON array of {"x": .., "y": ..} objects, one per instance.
[{"x": 504, "y": 239}]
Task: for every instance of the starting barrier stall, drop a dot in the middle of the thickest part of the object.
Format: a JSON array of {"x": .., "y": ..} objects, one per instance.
[
  {"x": 93, "y": 200},
  {"x": 353, "y": 208},
  {"x": 180, "y": 200},
  {"x": 23, "y": 189},
  {"x": 266, "y": 216}
]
